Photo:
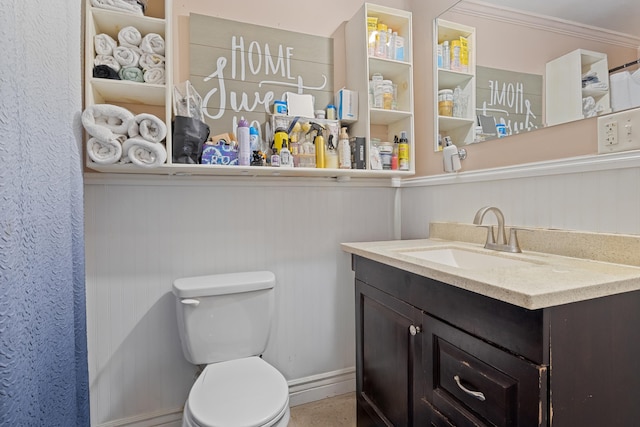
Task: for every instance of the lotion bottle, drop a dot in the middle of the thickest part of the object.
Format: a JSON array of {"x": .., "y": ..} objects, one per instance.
[{"x": 344, "y": 150}]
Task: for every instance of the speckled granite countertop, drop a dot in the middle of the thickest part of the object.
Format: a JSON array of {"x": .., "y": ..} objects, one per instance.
[{"x": 542, "y": 280}]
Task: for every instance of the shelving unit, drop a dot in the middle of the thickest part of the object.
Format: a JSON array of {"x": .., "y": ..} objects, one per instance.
[
  {"x": 563, "y": 85},
  {"x": 380, "y": 123},
  {"x": 460, "y": 129},
  {"x": 136, "y": 97},
  {"x": 156, "y": 99}
]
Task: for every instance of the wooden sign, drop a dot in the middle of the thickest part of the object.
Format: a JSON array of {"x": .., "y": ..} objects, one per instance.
[
  {"x": 512, "y": 98},
  {"x": 239, "y": 69}
]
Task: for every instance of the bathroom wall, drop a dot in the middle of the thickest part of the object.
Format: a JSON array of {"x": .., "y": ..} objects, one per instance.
[
  {"x": 141, "y": 235},
  {"x": 597, "y": 200}
]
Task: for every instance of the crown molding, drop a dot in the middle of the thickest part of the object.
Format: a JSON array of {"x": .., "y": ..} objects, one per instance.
[{"x": 546, "y": 23}]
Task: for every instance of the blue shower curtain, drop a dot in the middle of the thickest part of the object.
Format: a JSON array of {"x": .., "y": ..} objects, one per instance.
[{"x": 43, "y": 344}]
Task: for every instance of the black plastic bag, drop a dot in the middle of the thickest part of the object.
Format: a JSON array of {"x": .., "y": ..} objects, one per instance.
[{"x": 189, "y": 135}]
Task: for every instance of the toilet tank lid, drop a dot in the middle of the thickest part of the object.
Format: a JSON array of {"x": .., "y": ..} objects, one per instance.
[{"x": 221, "y": 284}]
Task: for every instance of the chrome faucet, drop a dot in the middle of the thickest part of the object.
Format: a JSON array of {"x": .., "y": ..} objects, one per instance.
[{"x": 498, "y": 243}]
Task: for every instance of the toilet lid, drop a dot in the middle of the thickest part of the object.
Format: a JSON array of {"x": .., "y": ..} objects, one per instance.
[{"x": 243, "y": 393}]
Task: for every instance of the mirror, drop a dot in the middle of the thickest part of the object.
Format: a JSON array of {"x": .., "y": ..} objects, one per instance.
[{"x": 529, "y": 65}]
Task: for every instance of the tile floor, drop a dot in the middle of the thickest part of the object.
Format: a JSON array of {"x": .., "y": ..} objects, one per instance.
[{"x": 338, "y": 411}]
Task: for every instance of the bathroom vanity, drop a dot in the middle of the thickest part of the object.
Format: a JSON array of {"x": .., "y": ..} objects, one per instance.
[{"x": 548, "y": 340}]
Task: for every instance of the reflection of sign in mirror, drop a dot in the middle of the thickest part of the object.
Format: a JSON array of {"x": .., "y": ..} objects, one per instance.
[
  {"x": 240, "y": 69},
  {"x": 512, "y": 98}
]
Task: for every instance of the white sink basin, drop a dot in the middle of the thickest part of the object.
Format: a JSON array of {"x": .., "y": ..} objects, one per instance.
[{"x": 465, "y": 259}]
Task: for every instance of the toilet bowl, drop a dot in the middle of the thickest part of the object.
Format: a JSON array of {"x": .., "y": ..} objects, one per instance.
[
  {"x": 224, "y": 323},
  {"x": 239, "y": 393}
]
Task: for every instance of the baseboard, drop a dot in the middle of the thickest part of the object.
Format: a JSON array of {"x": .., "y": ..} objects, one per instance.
[
  {"x": 321, "y": 386},
  {"x": 302, "y": 390},
  {"x": 166, "y": 418}
]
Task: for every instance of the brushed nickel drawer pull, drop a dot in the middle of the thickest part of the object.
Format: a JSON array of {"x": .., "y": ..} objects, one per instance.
[{"x": 477, "y": 394}]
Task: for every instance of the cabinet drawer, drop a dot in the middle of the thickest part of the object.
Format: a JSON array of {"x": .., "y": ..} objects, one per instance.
[{"x": 474, "y": 383}]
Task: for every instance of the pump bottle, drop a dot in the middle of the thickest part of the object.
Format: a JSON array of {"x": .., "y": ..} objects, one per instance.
[{"x": 344, "y": 150}]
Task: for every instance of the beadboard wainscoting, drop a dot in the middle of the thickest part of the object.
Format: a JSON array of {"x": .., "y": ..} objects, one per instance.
[
  {"x": 593, "y": 193},
  {"x": 142, "y": 233}
]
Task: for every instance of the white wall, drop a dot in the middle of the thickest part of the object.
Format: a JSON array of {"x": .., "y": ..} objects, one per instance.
[
  {"x": 140, "y": 236},
  {"x": 606, "y": 201}
]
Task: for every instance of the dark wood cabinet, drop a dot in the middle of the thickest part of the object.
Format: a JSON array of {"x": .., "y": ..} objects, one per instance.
[
  {"x": 389, "y": 352},
  {"x": 431, "y": 354}
]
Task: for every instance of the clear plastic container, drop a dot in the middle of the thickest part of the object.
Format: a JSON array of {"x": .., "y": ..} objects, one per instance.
[
  {"x": 387, "y": 94},
  {"x": 445, "y": 102}
]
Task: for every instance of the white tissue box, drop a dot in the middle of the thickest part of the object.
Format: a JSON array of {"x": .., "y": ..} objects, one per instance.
[{"x": 347, "y": 104}]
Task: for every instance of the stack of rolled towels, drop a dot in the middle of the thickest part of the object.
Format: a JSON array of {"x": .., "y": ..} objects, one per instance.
[
  {"x": 117, "y": 135},
  {"x": 136, "y": 7},
  {"x": 132, "y": 57}
]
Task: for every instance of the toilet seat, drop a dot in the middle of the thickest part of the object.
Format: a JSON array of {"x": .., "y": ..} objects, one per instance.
[{"x": 244, "y": 392}]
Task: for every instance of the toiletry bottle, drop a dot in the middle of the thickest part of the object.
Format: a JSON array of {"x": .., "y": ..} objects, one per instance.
[
  {"x": 286, "y": 159},
  {"x": 382, "y": 42},
  {"x": 244, "y": 146},
  {"x": 254, "y": 139},
  {"x": 331, "y": 112},
  {"x": 403, "y": 152},
  {"x": 280, "y": 139},
  {"x": 275, "y": 158},
  {"x": 319, "y": 145},
  {"x": 344, "y": 150},
  {"x": 331, "y": 156},
  {"x": 446, "y": 55},
  {"x": 394, "y": 154}
]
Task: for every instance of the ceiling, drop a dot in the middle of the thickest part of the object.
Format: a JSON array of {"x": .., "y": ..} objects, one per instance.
[{"x": 622, "y": 16}]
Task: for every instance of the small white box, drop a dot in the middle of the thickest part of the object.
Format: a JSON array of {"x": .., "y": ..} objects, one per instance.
[{"x": 347, "y": 105}]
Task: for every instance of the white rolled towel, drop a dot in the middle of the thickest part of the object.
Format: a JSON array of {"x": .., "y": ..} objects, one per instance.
[
  {"x": 127, "y": 56},
  {"x": 104, "y": 44},
  {"x": 106, "y": 122},
  {"x": 152, "y": 43},
  {"x": 119, "y": 5},
  {"x": 129, "y": 36},
  {"x": 147, "y": 126},
  {"x": 107, "y": 60},
  {"x": 143, "y": 153},
  {"x": 105, "y": 152},
  {"x": 154, "y": 76},
  {"x": 151, "y": 60}
]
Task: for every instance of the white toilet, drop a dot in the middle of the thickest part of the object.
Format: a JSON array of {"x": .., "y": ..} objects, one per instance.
[{"x": 224, "y": 322}]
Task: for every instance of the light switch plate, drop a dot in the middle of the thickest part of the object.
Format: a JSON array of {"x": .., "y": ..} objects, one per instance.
[{"x": 619, "y": 131}]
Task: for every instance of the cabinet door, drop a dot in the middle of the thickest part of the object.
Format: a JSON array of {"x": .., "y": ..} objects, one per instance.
[
  {"x": 388, "y": 353},
  {"x": 473, "y": 383}
]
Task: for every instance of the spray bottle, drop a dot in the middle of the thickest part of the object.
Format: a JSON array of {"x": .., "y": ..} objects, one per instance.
[
  {"x": 403, "y": 152},
  {"x": 344, "y": 150},
  {"x": 319, "y": 144}
]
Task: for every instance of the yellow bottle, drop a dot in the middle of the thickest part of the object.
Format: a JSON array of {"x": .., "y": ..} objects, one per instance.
[
  {"x": 320, "y": 147},
  {"x": 403, "y": 152}
]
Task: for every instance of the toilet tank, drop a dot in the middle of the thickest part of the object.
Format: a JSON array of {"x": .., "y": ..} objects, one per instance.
[{"x": 224, "y": 316}]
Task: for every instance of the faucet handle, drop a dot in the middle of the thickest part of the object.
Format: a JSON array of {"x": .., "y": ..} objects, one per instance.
[{"x": 514, "y": 245}]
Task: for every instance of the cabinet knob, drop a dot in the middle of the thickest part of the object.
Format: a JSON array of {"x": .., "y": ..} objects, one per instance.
[{"x": 413, "y": 330}]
